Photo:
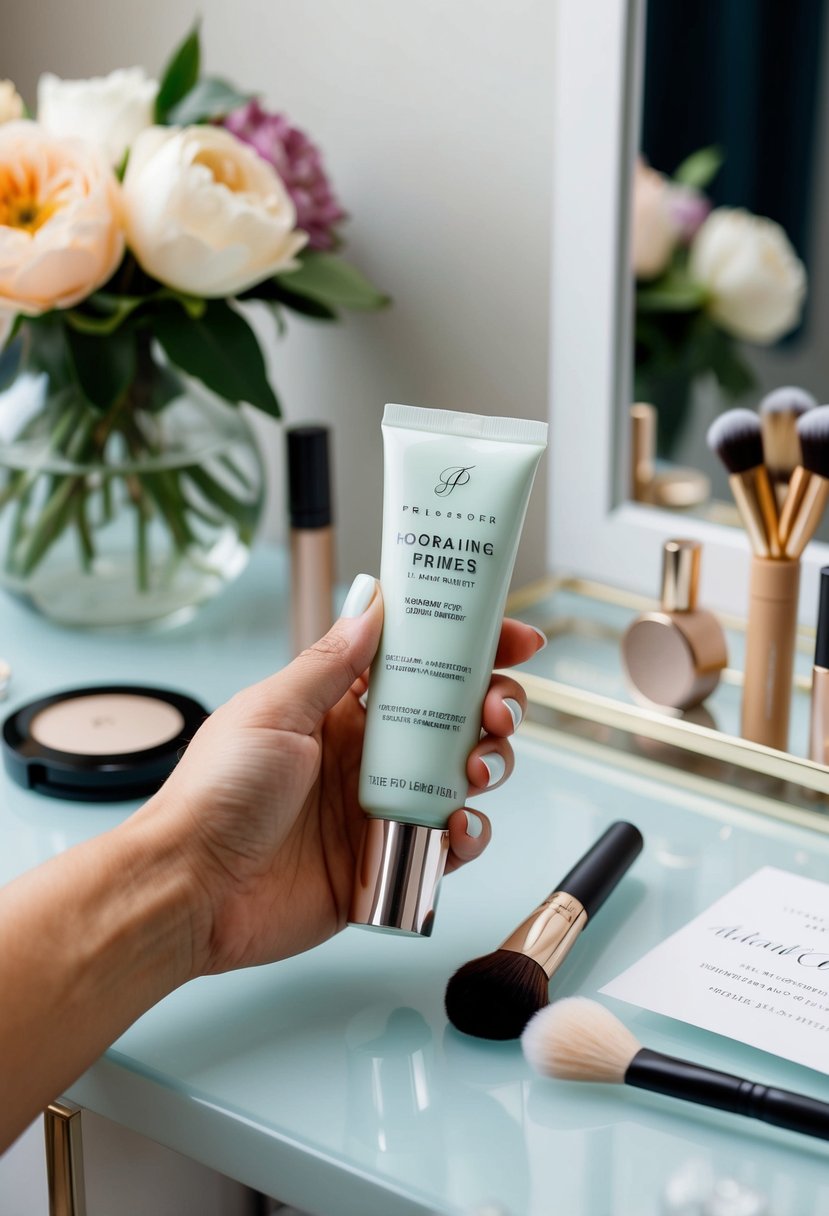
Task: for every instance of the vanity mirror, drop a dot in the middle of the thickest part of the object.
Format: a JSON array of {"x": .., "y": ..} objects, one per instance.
[
  {"x": 609, "y": 77},
  {"x": 598, "y": 532}
]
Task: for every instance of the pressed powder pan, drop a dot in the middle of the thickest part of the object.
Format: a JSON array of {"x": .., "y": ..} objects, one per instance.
[{"x": 99, "y": 744}]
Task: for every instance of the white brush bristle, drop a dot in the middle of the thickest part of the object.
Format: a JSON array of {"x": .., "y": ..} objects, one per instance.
[
  {"x": 788, "y": 400},
  {"x": 576, "y": 1039}
]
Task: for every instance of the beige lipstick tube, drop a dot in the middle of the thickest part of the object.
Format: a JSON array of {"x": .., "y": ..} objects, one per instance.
[
  {"x": 770, "y": 646},
  {"x": 312, "y": 535},
  {"x": 312, "y": 585}
]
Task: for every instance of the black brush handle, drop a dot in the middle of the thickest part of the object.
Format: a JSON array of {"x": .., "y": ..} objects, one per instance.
[
  {"x": 595, "y": 875},
  {"x": 663, "y": 1074}
]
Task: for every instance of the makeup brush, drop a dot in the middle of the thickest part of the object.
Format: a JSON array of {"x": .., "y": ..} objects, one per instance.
[
  {"x": 779, "y": 412},
  {"x": 494, "y": 997},
  {"x": 809, "y": 486},
  {"x": 736, "y": 437},
  {"x": 576, "y": 1039}
]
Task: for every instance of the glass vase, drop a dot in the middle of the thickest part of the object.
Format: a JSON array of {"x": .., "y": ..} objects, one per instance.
[{"x": 126, "y": 518}]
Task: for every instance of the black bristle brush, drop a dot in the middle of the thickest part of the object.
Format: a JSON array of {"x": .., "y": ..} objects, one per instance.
[
  {"x": 577, "y": 1039},
  {"x": 779, "y": 414},
  {"x": 809, "y": 487},
  {"x": 494, "y": 997},
  {"x": 737, "y": 439}
]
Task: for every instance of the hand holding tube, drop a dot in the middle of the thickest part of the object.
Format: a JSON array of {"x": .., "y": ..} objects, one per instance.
[{"x": 246, "y": 855}]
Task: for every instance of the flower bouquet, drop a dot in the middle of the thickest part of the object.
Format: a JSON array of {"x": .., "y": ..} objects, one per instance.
[
  {"x": 706, "y": 279},
  {"x": 137, "y": 218}
]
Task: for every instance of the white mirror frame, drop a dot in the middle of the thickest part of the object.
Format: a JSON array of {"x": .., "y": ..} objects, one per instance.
[{"x": 598, "y": 56}]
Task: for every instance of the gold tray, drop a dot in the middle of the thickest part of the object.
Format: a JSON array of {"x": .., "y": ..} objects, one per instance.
[{"x": 577, "y": 683}]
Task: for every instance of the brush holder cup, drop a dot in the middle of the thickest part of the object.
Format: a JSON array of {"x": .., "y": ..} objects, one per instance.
[{"x": 770, "y": 648}]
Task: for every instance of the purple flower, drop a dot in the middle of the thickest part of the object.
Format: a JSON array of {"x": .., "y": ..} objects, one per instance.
[
  {"x": 689, "y": 209},
  {"x": 298, "y": 163}
]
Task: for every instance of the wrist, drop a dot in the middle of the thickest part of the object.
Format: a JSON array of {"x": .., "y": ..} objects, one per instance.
[{"x": 175, "y": 903}]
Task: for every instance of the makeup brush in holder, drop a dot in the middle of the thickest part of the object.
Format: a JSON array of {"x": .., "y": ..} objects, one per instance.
[
  {"x": 736, "y": 437},
  {"x": 779, "y": 415},
  {"x": 809, "y": 487},
  {"x": 576, "y": 1039},
  {"x": 777, "y": 538}
]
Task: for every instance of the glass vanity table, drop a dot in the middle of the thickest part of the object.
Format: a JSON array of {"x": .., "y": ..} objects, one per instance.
[{"x": 333, "y": 1080}]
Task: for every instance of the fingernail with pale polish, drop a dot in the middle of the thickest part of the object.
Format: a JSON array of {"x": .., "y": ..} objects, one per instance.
[
  {"x": 360, "y": 594},
  {"x": 515, "y": 712},
  {"x": 474, "y": 825},
  {"x": 542, "y": 637},
  {"x": 496, "y": 766}
]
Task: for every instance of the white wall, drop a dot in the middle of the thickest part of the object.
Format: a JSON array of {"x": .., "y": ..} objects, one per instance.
[{"x": 435, "y": 119}]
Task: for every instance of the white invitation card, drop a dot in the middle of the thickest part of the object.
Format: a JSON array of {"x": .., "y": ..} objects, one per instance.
[{"x": 754, "y": 966}]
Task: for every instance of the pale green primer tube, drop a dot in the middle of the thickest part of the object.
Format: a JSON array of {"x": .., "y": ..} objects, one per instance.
[{"x": 456, "y": 493}]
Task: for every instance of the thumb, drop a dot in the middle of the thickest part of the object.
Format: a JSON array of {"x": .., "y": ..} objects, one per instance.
[{"x": 298, "y": 697}]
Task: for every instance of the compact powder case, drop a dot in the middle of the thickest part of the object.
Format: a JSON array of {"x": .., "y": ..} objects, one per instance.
[{"x": 103, "y": 744}]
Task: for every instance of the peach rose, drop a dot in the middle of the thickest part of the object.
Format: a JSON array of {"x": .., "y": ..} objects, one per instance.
[
  {"x": 655, "y": 228},
  {"x": 60, "y": 226}
]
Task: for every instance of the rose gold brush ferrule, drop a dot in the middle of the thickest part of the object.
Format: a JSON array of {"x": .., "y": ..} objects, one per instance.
[
  {"x": 758, "y": 510},
  {"x": 798, "y": 483},
  {"x": 549, "y": 933},
  {"x": 807, "y": 515}
]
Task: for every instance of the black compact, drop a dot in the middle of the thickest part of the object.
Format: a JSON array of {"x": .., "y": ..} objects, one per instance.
[{"x": 106, "y": 743}]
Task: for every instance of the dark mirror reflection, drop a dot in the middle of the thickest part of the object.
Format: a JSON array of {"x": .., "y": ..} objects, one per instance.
[{"x": 730, "y": 247}]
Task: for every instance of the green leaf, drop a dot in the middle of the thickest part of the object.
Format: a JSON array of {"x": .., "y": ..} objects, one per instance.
[
  {"x": 670, "y": 296},
  {"x": 48, "y": 351},
  {"x": 700, "y": 168},
  {"x": 208, "y": 99},
  {"x": 331, "y": 281},
  {"x": 111, "y": 312},
  {"x": 733, "y": 373},
  {"x": 194, "y": 306},
  {"x": 179, "y": 76},
  {"x": 221, "y": 350},
  {"x": 274, "y": 292},
  {"x": 104, "y": 367},
  {"x": 10, "y": 362}
]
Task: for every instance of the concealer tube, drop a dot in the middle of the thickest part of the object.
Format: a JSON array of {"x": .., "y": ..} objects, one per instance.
[
  {"x": 819, "y": 716},
  {"x": 312, "y": 535},
  {"x": 770, "y": 644}
]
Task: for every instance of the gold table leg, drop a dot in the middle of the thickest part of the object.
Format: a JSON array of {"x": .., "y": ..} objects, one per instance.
[{"x": 64, "y": 1159}]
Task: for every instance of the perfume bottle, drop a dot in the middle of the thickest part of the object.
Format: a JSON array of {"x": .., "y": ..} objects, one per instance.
[{"x": 673, "y": 658}]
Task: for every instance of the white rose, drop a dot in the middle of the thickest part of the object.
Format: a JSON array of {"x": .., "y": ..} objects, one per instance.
[
  {"x": 107, "y": 110},
  {"x": 11, "y": 103},
  {"x": 656, "y": 228},
  {"x": 755, "y": 280},
  {"x": 206, "y": 214}
]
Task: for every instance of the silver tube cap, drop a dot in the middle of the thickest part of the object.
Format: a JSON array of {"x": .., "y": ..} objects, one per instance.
[{"x": 398, "y": 875}]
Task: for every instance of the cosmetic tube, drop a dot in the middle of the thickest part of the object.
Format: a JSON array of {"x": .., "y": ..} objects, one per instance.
[
  {"x": 455, "y": 496},
  {"x": 312, "y": 535},
  {"x": 819, "y": 715},
  {"x": 770, "y": 647}
]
